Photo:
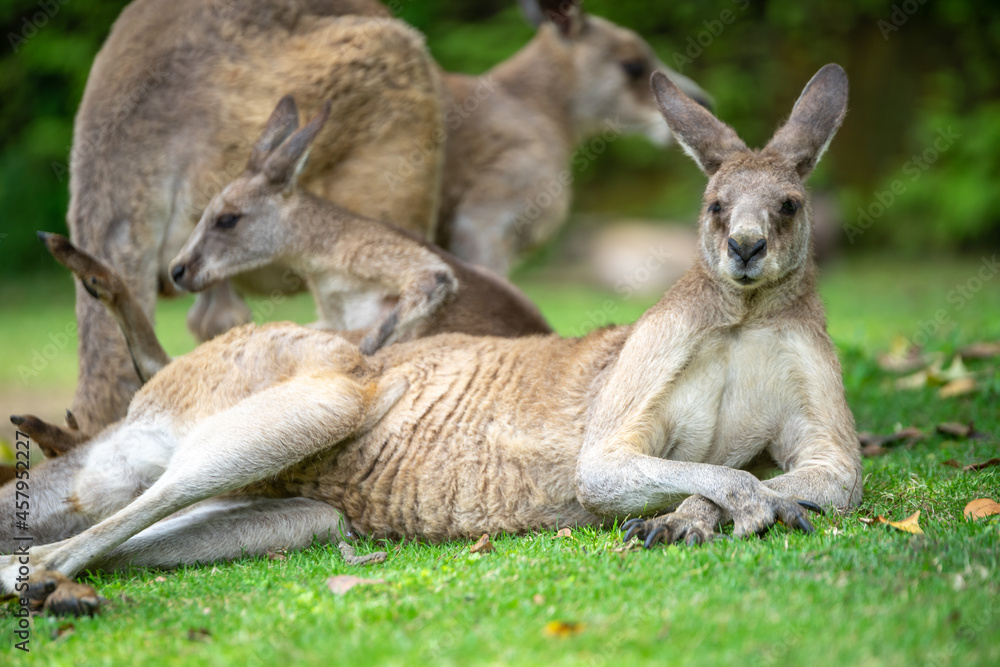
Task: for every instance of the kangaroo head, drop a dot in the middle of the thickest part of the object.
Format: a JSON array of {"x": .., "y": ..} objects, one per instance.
[
  {"x": 241, "y": 228},
  {"x": 754, "y": 225},
  {"x": 610, "y": 67}
]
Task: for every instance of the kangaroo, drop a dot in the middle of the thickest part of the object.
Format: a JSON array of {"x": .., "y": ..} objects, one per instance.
[
  {"x": 273, "y": 434},
  {"x": 506, "y": 184},
  {"x": 355, "y": 267},
  {"x": 173, "y": 102}
]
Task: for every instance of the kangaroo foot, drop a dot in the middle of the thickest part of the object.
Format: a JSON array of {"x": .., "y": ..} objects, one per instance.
[
  {"x": 53, "y": 440},
  {"x": 52, "y": 592},
  {"x": 669, "y": 528}
]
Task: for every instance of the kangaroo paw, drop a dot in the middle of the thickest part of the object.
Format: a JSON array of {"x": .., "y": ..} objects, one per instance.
[
  {"x": 52, "y": 592},
  {"x": 757, "y": 518},
  {"x": 677, "y": 526}
]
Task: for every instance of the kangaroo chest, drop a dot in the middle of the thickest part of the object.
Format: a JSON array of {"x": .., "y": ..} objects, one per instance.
[{"x": 734, "y": 398}]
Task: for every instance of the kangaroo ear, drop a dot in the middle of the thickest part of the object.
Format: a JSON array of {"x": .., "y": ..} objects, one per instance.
[
  {"x": 565, "y": 15},
  {"x": 702, "y": 136},
  {"x": 287, "y": 161},
  {"x": 815, "y": 118},
  {"x": 283, "y": 121}
]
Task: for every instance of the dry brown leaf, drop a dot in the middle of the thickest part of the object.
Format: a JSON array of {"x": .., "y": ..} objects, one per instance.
[
  {"x": 277, "y": 554},
  {"x": 981, "y": 508},
  {"x": 563, "y": 532},
  {"x": 562, "y": 628},
  {"x": 64, "y": 630},
  {"x": 909, "y": 435},
  {"x": 342, "y": 583},
  {"x": 980, "y": 466},
  {"x": 871, "y": 451},
  {"x": 160, "y": 580},
  {"x": 951, "y": 463},
  {"x": 955, "y": 429},
  {"x": 199, "y": 635},
  {"x": 980, "y": 350},
  {"x": 957, "y": 387},
  {"x": 867, "y": 520},
  {"x": 483, "y": 546},
  {"x": 907, "y": 525}
]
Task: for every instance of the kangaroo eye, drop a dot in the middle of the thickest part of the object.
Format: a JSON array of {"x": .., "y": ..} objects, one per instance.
[
  {"x": 789, "y": 207},
  {"x": 715, "y": 207},
  {"x": 227, "y": 220},
  {"x": 634, "y": 68}
]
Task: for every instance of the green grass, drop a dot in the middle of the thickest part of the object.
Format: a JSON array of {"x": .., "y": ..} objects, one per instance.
[{"x": 848, "y": 594}]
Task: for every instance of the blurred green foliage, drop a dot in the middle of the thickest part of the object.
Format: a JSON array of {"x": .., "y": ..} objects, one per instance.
[{"x": 916, "y": 68}]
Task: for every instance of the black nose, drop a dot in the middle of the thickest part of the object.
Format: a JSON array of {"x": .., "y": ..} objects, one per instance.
[
  {"x": 177, "y": 273},
  {"x": 746, "y": 250}
]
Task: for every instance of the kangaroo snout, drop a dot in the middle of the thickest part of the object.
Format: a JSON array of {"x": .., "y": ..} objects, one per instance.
[{"x": 747, "y": 249}]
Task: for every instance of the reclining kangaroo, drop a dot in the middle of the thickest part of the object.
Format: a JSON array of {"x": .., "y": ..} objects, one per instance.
[
  {"x": 161, "y": 129},
  {"x": 271, "y": 435}
]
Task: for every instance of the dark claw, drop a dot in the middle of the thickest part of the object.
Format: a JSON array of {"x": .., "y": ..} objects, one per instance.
[
  {"x": 633, "y": 531},
  {"x": 657, "y": 535},
  {"x": 804, "y": 525},
  {"x": 631, "y": 522},
  {"x": 16, "y": 420},
  {"x": 811, "y": 506},
  {"x": 693, "y": 539}
]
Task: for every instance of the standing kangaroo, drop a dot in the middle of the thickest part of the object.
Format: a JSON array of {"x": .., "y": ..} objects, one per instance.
[
  {"x": 506, "y": 184},
  {"x": 271, "y": 435},
  {"x": 360, "y": 271},
  {"x": 172, "y": 105}
]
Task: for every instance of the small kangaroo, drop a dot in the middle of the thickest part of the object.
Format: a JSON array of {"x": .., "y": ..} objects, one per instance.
[
  {"x": 356, "y": 267},
  {"x": 271, "y": 435},
  {"x": 506, "y": 183}
]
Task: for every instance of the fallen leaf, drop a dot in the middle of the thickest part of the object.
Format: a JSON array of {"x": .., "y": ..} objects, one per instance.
[
  {"x": 64, "y": 630},
  {"x": 867, "y": 520},
  {"x": 160, "y": 580},
  {"x": 483, "y": 546},
  {"x": 980, "y": 466},
  {"x": 278, "y": 554},
  {"x": 980, "y": 350},
  {"x": 957, "y": 387},
  {"x": 955, "y": 429},
  {"x": 563, "y": 532},
  {"x": 907, "y": 525},
  {"x": 902, "y": 357},
  {"x": 910, "y": 435},
  {"x": 918, "y": 380},
  {"x": 951, "y": 463},
  {"x": 538, "y": 598},
  {"x": 981, "y": 508},
  {"x": 342, "y": 583},
  {"x": 562, "y": 628},
  {"x": 871, "y": 451},
  {"x": 199, "y": 635}
]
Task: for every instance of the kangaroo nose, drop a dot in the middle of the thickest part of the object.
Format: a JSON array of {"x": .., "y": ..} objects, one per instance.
[
  {"x": 746, "y": 250},
  {"x": 177, "y": 273}
]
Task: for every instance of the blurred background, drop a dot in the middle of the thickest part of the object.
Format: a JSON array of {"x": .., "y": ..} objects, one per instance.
[{"x": 916, "y": 69}]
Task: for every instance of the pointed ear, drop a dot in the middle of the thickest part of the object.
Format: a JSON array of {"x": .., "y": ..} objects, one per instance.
[
  {"x": 283, "y": 121},
  {"x": 565, "y": 15},
  {"x": 286, "y": 161},
  {"x": 702, "y": 136},
  {"x": 815, "y": 118}
]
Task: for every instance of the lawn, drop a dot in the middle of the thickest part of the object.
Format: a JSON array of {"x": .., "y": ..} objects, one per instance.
[{"x": 852, "y": 593}]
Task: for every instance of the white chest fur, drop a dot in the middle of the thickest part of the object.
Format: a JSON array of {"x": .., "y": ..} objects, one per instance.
[{"x": 735, "y": 397}]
